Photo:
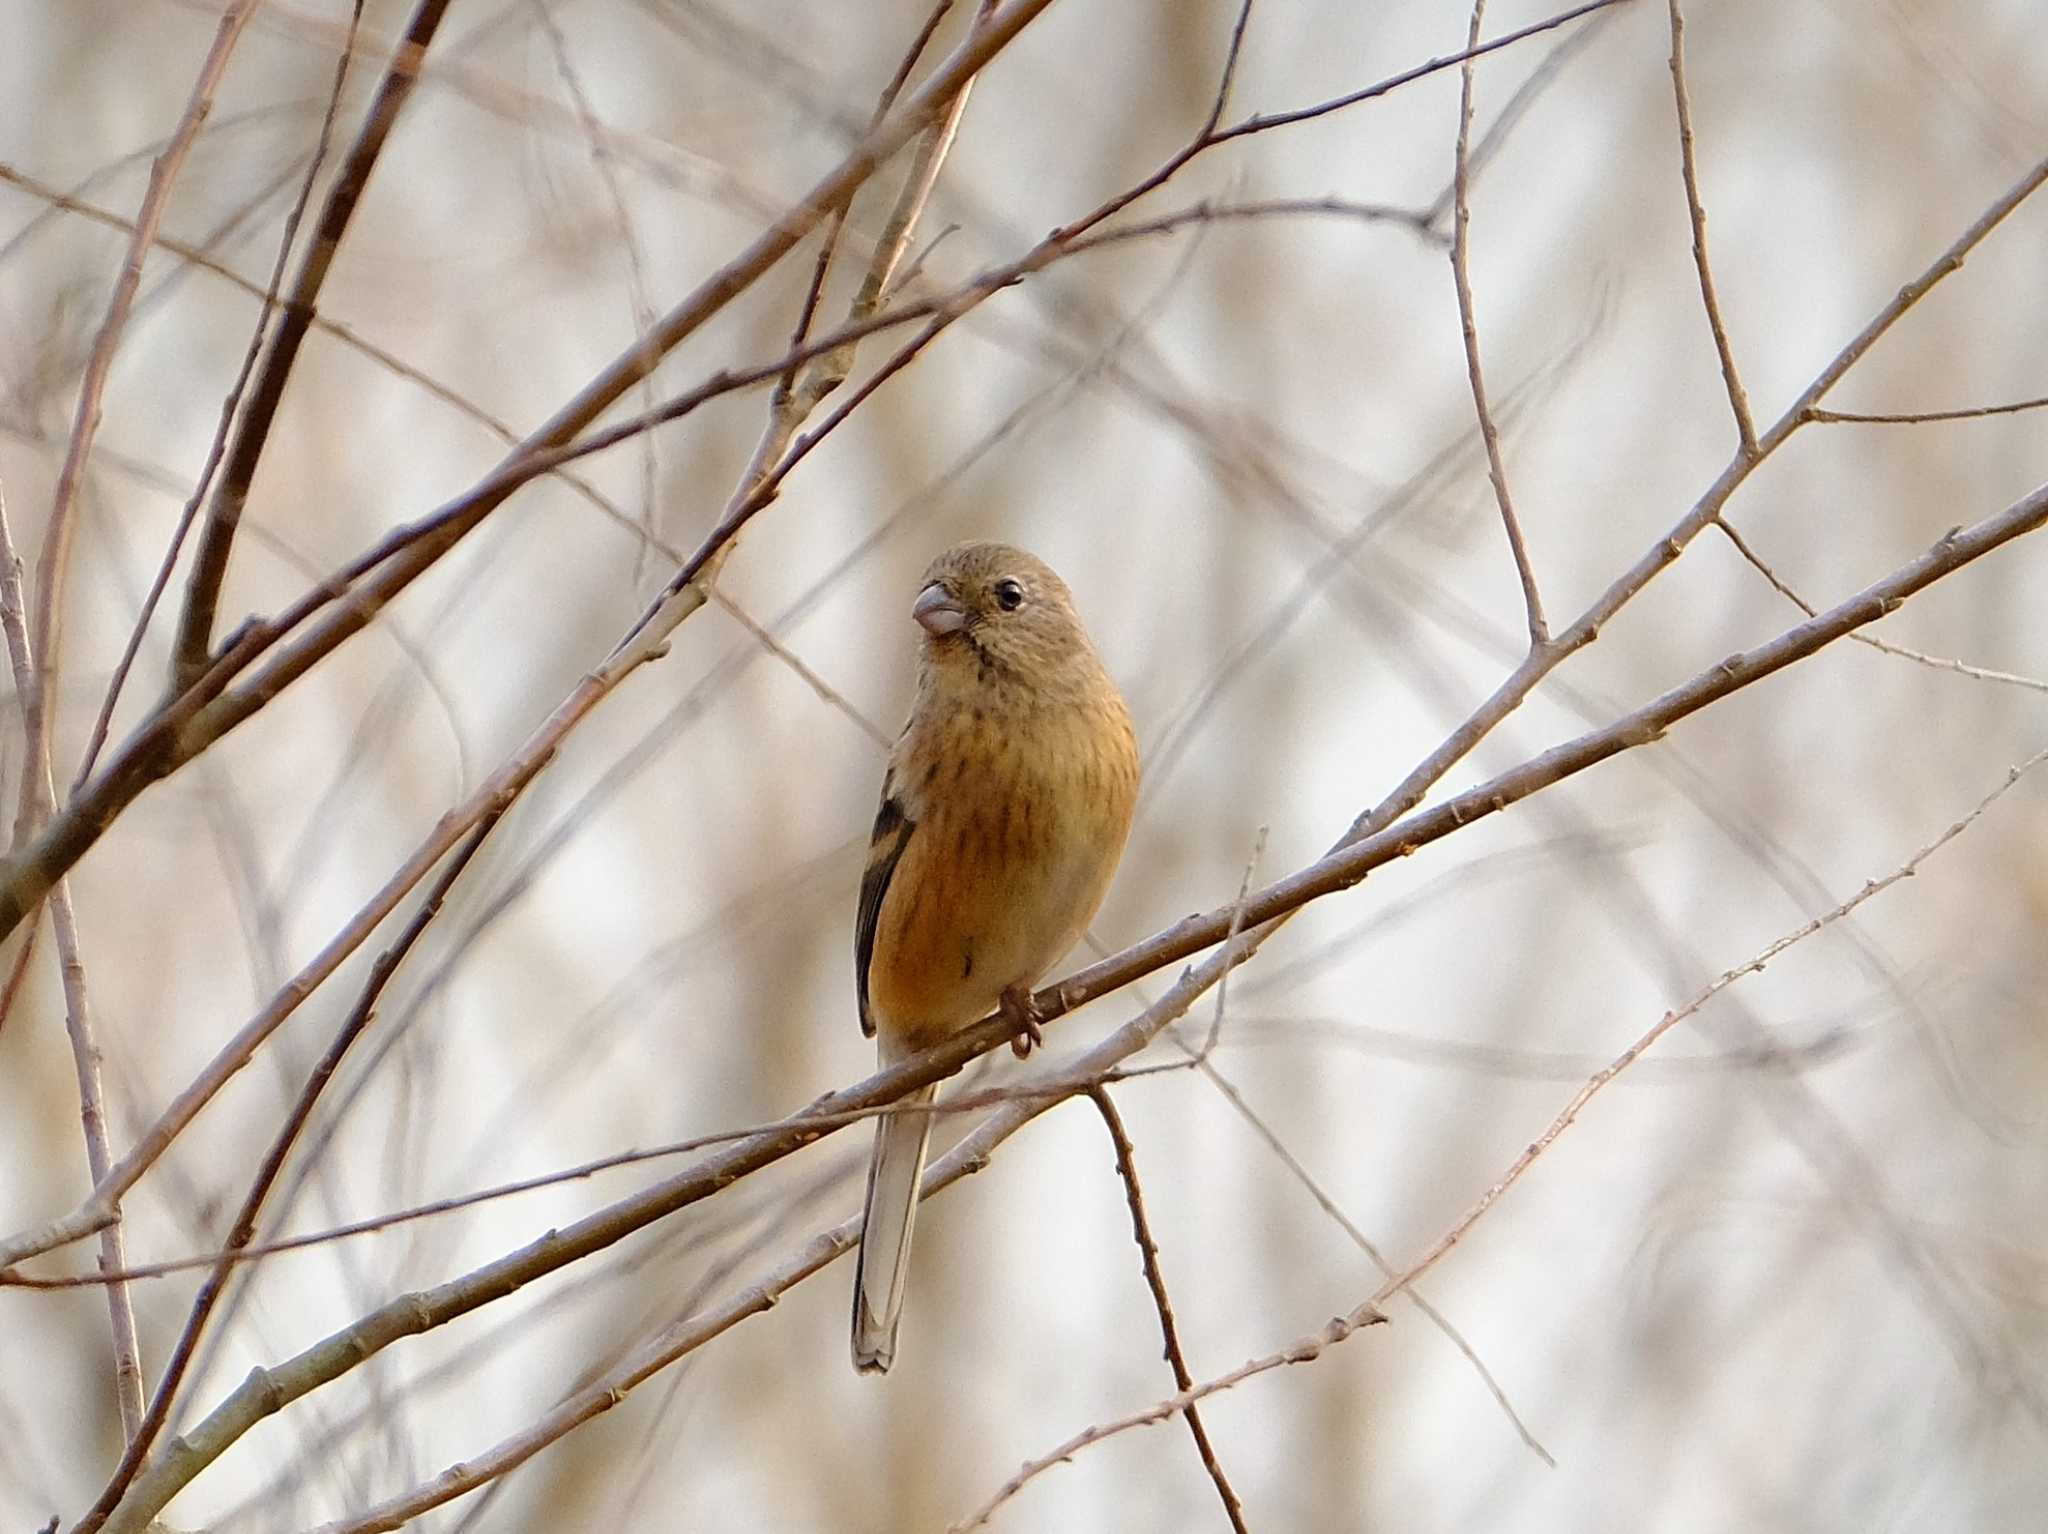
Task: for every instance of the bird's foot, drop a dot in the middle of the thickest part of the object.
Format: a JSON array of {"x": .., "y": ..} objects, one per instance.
[{"x": 1023, "y": 1015}]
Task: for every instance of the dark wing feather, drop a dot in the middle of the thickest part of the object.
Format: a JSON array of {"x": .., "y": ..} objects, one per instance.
[{"x": 885, "y": 849}]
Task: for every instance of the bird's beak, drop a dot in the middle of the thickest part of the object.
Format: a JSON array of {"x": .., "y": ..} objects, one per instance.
[{"x": 938, "y": 611}]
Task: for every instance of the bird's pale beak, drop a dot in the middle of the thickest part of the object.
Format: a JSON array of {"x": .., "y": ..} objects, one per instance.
[{"x": 938, "y": 611}]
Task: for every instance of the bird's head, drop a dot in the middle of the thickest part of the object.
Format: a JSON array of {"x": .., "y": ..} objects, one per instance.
[{"x": 990, "y": 607}]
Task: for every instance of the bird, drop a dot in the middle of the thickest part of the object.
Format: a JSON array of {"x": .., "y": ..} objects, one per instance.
[{"x": 1005, "y": 808}]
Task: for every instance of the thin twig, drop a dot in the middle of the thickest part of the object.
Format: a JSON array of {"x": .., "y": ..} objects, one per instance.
[
  {"x": 1461, "y": 277},
  {"x": 1621, "y": 1062},
  {"x": 1924, "y": 417},
  {"x": 1244, "y": 886},
  {"x": 692, "y": 1332},
  {"x": 641, "y": 306},
  {"x": 46, "y": 644},
  {"x": 796, "y": 394},
  {"x": 1882, "y": 646},
  {"x": 957, "y": 1104},
  {"x": 55, "y": 560},
  {"x": 1696, "y": 211},
  {"x": 197, "y": 717},
  {"x": 1307, "y": 1179},
  {"x": 1267, "y": 121},
  {"x": 1155, "y": 1280},
  {"x": 1305, "y": 1350}
]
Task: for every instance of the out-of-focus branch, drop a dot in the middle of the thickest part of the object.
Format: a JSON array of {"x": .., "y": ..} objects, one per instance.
[
  {"x": 693, "y": 1331},
  {"x": 796, "y": 395},
  {"x": 55, "y": 560},
  {"x": 252, "y": 431},
  {"x": 1461, "y": 277},
  {"x": 197, "y": 719}
]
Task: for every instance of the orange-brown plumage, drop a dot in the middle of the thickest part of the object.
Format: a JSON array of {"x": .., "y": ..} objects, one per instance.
[{"x": 1004, "y": 810}]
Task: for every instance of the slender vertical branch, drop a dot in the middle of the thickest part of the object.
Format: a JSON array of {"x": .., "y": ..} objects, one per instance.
[
  {"x": 1155, "y": 1280},
  {"x": 1244, "y": 887},
  {"x": 1461, "y": 277},
  {"x": 1738, "y": 398},
  {"x": 37, "y": 795},
  {"x": 641, "y": 305}
]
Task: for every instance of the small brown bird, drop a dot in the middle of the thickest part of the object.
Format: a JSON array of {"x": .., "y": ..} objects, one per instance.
[{"x": 1004, "y": 810}]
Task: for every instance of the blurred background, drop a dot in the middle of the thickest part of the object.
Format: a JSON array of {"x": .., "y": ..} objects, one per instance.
[{"x": 1788, "y": 1273}]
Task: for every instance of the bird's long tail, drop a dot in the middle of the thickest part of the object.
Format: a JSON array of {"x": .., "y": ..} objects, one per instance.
[{"x": 893, "y": 1177}]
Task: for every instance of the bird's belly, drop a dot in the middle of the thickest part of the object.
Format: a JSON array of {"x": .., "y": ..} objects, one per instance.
[{"x": 984, "y": 912}]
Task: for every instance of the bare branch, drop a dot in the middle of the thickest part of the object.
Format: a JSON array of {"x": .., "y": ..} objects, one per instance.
[
  {"x": 252, "y": 430},
  {"x": 1306, "y": 1350},
  {"x": 1461, "y": 276},
  {"x": 1268, "y": 121},
  {"x": 1155, "y": 1280},
  {"x": 1882, "y": 646},
  {"x": 1251, "y": 867},
  {"x": 1314, "y": 1344},
  {"x": 1924, "y": 417},
  {"x": 200, "y": 714},
  {"x": 38, "y": 793},
  {"x": 1738, "y": 399}
]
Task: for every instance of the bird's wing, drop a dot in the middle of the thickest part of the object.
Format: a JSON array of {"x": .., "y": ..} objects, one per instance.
[{"x": 885, "y": 850}]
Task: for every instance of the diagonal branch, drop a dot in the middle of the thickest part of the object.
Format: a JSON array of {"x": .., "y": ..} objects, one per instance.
[
  {"x": 1312, "y": 1346},
  {"x": 38, "y": 660},
  {"x": 252, "y": 432},
  {"x": 163, "y": 174}
]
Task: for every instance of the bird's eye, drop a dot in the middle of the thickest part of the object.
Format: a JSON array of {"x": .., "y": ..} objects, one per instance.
[{"x": 1009, "y": 595}]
